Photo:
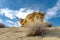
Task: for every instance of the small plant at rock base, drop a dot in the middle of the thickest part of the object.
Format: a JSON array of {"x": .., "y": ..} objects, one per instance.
[{"x": 35, "y": 28}]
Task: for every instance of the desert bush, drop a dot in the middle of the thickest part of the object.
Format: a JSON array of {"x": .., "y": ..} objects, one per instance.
[
  {"x": 2, "y": 25},
  {"x": 36, "y": 28}
]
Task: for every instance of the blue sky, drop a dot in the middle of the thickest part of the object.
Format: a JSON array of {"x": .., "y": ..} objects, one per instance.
[{"x": 12, "y": 10}]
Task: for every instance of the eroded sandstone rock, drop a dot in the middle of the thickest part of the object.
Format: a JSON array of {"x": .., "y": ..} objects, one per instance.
[{"x": 35, "y": 16}]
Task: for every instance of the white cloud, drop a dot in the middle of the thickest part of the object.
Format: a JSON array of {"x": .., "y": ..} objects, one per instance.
[
  {"x": 1, "y": 21},
  {"x": 12, "y": 14},
  {"x": 8, "y": 13},
  {"x": 52, "y": 12},
  {"x": 23, "y": 12},
  {"x": 13, "y": 24},
  {"x": 17, "y": 13},
  {"x": 9, "y": 21}
]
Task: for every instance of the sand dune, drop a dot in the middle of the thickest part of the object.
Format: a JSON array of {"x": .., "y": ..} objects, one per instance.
[{"x": 19, "y": 34}]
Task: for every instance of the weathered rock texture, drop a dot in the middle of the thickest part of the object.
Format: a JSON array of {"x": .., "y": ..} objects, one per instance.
[{"x": 32, "y": 17}]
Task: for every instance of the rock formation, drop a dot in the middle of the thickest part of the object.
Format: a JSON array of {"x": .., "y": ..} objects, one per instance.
[
  {"x": 35, "y": 16},
  {"x": 2, "y": 25},
  {"x": 35, "y": 24}
]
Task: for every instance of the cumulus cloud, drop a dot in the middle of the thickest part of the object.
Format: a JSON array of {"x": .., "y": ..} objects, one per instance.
[
  {"x": 12, "y": 14},
  {"x": 1, "y": 21},
  {"x": 8, "y": 13},
  {"x": 21, "y": 13},
  {"x": 52, "y": 12},
  {"x": 13, "y": 24}
]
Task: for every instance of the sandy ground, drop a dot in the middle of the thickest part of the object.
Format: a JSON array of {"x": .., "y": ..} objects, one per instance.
[{"x": 19, "y": 34}]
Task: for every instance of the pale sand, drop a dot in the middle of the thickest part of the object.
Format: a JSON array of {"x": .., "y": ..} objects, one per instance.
[{"x": 19, "y": 34}]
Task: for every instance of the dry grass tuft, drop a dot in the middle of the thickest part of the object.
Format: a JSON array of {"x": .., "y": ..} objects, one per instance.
[{"x": 35, "y": 28}]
